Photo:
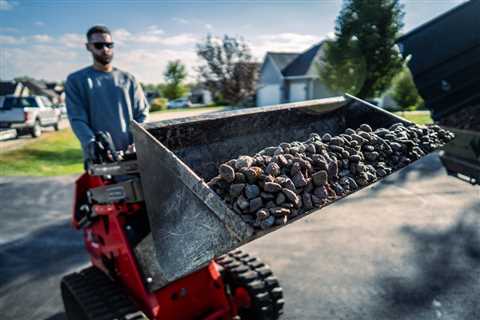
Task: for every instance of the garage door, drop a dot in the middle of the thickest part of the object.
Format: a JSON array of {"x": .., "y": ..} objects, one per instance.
[
  {"x": 298, "y": 91},
  {"x": 268, "y": 95}
]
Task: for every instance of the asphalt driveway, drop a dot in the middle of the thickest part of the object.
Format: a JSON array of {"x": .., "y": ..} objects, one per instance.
[{"x": 406, "y": 248}]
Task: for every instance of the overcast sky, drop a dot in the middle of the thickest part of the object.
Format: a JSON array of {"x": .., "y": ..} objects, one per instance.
[{"x": 45, "y": 39}]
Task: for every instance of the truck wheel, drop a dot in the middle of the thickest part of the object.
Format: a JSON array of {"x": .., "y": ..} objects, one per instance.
[
  {"x": 91, "y": 295},
  {"x": 36, "y": 131},
  {"x": 251, "y": 285}
]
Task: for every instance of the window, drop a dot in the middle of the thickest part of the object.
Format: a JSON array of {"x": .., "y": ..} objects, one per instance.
[{"x": 19, "y": 102}]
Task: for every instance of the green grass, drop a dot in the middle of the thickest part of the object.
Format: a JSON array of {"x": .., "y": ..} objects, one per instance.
[
  {"x": 55, "y": 154},
  {"x": 417, "y": 117},
  {"x": 192, "y": 109}
]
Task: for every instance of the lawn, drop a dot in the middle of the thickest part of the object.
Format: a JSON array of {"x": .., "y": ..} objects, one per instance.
[
  {"x": 59, "y": 153},
  {"x": 418, "y": 117},
  {"x": 212, "y": 109}
]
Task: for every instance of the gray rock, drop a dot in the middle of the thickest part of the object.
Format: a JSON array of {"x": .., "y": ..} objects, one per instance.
[
  {"x": 279, "y": 211},
  {"x": 307, "y": 201},
  {"x": 242, "y": 203},
  {"x": 320, "y": 192},
  {"x": 240, "y": 177},
  {"x": 280, "y": 198},
  {"x": 280, "y": 160},
  {"x": 337, "y": 141},
  {"x": 381, "y": 172},
  {"x": 332, "y": 170},
  {"x": 371, "y": 156},
  {"x": 365, "y": 135},
  {"x": 243, "y": 161},
  {"x": 251, "y": 191},
  {"x": 296, "y": 168},
  {"x": 236, "y": 189},
  {"x": 272, "y": 187},
  {"x": 226, "y": 172},
  {"x": 255, "y": 204},
  {"x": 326, "y": 137},
  {"x": 267, "y": 223},
  {"x": 317, "y": 201},
  {"x": 268, "y": 151},
  {"x": 310, "y": 148},
  {"x": 365, "y": 127},
  {"x": 270, "y": 204},
  {"x": 320, "y": 178},
  {"x": 267, "y": 196},
  {"x": 212, "y": 183},
  {"x": 281, "y": 220},
  {"x": 251, "y": 174},
  {"x": 291, "y": 196},
  {"x": 272, "y": 169},
  {"x": 262, "y": 214},
  {"x": 355, "y": 158},
  {"x": 289, "y": 184},
  {"x": 299, "y": 180},
  {"x": 368, "y": 148}
]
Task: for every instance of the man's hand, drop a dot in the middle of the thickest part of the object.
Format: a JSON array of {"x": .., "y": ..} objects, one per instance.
[{"x": 102, "y": 149}]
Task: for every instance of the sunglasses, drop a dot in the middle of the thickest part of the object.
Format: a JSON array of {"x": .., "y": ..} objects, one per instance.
[{"x": 101, "y": 45}]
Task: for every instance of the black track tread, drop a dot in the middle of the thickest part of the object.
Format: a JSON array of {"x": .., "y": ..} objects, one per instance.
[
  {"x": 258, "y": 279},
  {"x": 98, "y": 297}
]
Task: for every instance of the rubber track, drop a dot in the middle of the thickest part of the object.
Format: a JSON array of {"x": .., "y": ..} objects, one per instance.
[
  {"x": 99, "y": 297},
  {"x": 252, "y": 270}
]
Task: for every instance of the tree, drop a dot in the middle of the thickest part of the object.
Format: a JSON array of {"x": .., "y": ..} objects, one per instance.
[
  {"x": 229, "y": 71},
  {"x": 404, "y": 91},
  {"x": 174, "y": 75},
  {"x": 363, "y": 56}
]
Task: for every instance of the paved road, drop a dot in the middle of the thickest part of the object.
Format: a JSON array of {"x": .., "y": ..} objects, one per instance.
[
  {"x": 12, "y": 144},
  {"x": 407, "y": 248}
]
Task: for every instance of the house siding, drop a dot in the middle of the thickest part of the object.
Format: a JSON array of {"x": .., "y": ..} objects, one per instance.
[
  {"x": 320, "y": 90},
  {"x": 270, "y": 74}
]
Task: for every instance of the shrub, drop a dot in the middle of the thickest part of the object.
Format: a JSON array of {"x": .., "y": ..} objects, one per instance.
[{"x": 158, "y": 104}]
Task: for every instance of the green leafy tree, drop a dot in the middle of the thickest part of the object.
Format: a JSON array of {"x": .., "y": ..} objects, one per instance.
[
  {"x": 363, "y": 58},
  {"x": 404, "y": 91},
  {"x": 175, "y": 74},
  {"x": 228, "y": 71}
]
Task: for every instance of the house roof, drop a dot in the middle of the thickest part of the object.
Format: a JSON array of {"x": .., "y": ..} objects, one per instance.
[
  {"x": 295, "y": 64},
  {"x": 39, "y": 88},
  {"x": 301, "y": 64},
  {"x": 282, "y": 59},
  {"x": 7, "y": 87}
]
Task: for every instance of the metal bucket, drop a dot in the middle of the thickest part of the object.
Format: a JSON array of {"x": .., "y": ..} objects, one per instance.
[{"x": 190, "y": 224}]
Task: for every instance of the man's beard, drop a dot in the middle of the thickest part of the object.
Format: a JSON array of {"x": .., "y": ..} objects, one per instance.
[{"x": 102, "y": 59}]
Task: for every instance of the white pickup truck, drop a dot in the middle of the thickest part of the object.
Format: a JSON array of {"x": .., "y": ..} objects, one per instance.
[{"x": 28, "y": 114}]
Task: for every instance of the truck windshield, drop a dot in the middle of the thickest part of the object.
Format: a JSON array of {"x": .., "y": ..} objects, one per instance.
[{"x": 27, "y": 102}]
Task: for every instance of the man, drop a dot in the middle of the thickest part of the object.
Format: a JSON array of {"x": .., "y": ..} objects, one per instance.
[{"x": 103, "y": 98}]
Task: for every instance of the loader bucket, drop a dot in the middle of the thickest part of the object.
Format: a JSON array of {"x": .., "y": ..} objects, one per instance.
[{"x": 190, "y": 224}]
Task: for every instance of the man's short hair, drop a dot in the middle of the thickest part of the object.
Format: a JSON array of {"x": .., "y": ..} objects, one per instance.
[{"x": 97, "y": 29}]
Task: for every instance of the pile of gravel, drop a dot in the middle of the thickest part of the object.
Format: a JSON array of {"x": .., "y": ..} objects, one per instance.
[
  {"x": 279, "y": 183},
  {"x": 467, "y": 118}
]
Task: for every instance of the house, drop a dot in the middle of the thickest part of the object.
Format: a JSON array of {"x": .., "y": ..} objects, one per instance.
[
  {"x": 28, "y": 87},
  {"x": 40, "y": 88},
  {"x": 199, "y": 94},
  {"x": 290, "y": 77},
  {"x": 13, "y": 88}
]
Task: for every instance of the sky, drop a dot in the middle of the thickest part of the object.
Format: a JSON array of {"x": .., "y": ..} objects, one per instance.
[{"x": 44, "y": 39}]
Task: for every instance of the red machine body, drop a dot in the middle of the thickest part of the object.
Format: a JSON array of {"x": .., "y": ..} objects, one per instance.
[{"x": 200, "y": 295}]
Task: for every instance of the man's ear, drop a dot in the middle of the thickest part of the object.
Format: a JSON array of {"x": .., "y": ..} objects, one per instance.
[{"x": 87, "y": 47}]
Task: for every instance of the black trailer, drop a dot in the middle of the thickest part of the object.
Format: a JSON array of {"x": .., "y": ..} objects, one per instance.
[{"x": 444, "y": 58}]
